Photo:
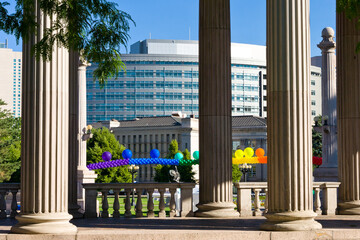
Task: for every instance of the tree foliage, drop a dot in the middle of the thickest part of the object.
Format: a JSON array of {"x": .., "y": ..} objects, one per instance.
[
  {"x": 186, "y": 172},
  {"x": 10, "y": 145},
  {"x": 236, "y": 173},
  {"x": 95, "y": 28},
  {"x": 317, "y": 140},
  {"x": 103, "y": 141},
  {"x": 351, "y": 9}
]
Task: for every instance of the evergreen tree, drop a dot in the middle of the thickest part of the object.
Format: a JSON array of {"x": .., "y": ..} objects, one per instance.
[
  {"x": 103, "y": 141},
  {"x": 10, "y": 145},
  {"x": 317, "y": 140}
]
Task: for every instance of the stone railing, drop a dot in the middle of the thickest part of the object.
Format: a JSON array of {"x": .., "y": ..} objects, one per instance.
[
  {"x": 9, "y": 203},
  {"x": 325, "y": 205},
  {"x": 92, "y": 191}
]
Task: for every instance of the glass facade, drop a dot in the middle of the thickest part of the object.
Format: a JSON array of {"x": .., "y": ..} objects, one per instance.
[{"x": 158, "y": 88}]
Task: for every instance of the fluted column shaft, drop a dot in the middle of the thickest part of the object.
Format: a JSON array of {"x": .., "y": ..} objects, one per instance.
[
  {"x": 215, "y": 110},
  {"x": 328, "y": 170},
  {"x": 289, "y": 119},
  {"x": 78, "y": 135},
  {"x": 348, "y": 103},
  {"x": 44, "y": 156}
]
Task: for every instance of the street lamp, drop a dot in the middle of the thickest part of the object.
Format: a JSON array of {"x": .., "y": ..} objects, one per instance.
[
  {"x": 245, "y": 168},
  {"x": 133, "y": 169}
]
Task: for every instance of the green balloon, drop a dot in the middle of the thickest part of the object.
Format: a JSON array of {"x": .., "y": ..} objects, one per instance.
[
  {"x": 196, "y": 155},
  {"x": 179, "y": 156}
]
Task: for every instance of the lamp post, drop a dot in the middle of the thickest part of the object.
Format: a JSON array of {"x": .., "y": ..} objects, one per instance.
[
  {"x": 245, "y": 168},
  {"x": 133, "y": 169}
]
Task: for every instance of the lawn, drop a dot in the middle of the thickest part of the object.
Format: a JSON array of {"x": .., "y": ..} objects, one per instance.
[{"x": 144, "y": 200}]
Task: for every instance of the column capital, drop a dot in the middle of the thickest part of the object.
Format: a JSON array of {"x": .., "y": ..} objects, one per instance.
[{"x": 327, "y": 44}]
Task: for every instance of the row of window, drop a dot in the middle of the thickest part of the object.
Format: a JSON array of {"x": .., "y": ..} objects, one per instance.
[
  {"x": 184, "y": 63},
  {"x": 147, "y": 85},
  {"x": 174, "y": 74},
  {"x": 245, "y": 98},
  {"x": 142, "y": 107}
]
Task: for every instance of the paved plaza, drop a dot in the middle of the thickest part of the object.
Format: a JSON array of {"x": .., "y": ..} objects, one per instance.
[{"x": 334, "y": 227}]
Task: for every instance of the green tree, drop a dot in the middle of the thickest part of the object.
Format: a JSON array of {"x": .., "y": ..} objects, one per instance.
[
  {"x": 95, "y": 28},
  {"x": 103, "y": 141},
  {"x": 317, "y": 140},
  {"x": 162, "y": 171},
  {"x": 10, "y": 145},
  {"x": 236, "y": 173}
]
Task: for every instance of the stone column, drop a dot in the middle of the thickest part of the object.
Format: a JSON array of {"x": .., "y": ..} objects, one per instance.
[
  {"x": 289, "y": 117},
  {"x": 328, "y": 170},
  {"x": 44, "y": 156},
  {"x": 348, "y": 106},
  {"x": 215, "y": 111}
]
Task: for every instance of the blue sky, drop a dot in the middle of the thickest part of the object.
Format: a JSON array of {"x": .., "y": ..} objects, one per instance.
[{"x": 172, "y": 19}]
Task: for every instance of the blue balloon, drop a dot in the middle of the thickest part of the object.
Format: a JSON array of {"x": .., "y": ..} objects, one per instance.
[
  {"x": 106, "y": 156},
  {"x": 154, "y": 153},
  {"x": 126, "y": 154}
]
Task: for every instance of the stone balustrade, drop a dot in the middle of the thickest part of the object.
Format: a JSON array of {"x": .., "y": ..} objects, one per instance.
[
  {"x": 92, "y": 191},
  {"x": 325, "y": 205},
  {"x": 8, "y": 203}
]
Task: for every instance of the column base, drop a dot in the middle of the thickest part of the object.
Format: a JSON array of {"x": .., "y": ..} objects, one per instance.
[
  {"x": 216, "y": 210},
  {"x": 349, "y": 208},
  {"x": 76, "y": 212},
  {"x": 44, "y": 223},
  {"x": 291, "y": 221}
]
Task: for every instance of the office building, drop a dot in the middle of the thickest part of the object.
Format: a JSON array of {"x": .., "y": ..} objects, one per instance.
[
  {"x": 10, "y": 78},
  {"x": 162, "y": 77}
]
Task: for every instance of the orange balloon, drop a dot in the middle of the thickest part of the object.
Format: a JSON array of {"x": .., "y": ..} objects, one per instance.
[{"x": 260, "y": 152}]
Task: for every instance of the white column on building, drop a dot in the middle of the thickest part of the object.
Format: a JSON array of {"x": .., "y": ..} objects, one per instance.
[
  {"x": 328, "y": 170},
  {"x": 348, "y": 106},
  {"x": 44, "y": 156},
  {"x": 216, "y": 196},
  {"x": 84, "y": 175},
  {"x": 289, "y": 117}
]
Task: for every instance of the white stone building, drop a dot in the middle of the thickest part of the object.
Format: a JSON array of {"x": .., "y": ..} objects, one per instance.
[{"x": 144, "y": 134}]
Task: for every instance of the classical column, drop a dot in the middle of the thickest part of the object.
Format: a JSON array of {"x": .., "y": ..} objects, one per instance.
[
  {"x": 216, "y": 196},
  {"x": 289, "y": 117},
  {"x": 44, "y": 156},
  {"x": 328, "y": 170},
  {"x": 348, "y": 106}
]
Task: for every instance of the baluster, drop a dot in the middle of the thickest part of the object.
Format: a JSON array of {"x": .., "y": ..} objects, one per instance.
[
  {"x": 266, "y": 200},
  {"x": 317, "y": 203},
  {"x": 13, "y": 203},
  {"x": 150, "y": 204},
  {"x": 162, "y": 212},
  {"x": 139, "y": 203},
  {"x": 116, "y": 206},
  {"x": 2, "y": 204},
  {"x": 257, "y": 211},
  {"x": 105, "y": 204},
  {"x": 127, "y": 203},
  {"x": 172, "y": 202}
]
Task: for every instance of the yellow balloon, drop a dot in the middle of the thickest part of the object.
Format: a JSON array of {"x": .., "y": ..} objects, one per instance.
[
  {"x": 249, "y": 152},
  {"x": 239, "y": 153}
]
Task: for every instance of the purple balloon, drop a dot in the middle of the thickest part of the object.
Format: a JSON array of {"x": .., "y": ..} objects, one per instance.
[{"x": 106, "y": 156}]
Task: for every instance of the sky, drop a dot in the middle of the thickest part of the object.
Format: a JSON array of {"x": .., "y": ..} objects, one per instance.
[{"x": 178, "y": 19}]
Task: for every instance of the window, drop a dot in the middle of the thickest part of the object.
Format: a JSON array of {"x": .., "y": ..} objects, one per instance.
[
  {"x": 313, "y": 112},
  {"x": 313, "y": 102},
  {"x": 312, "y": 92},
  {"x": 313, "y": 82}
]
